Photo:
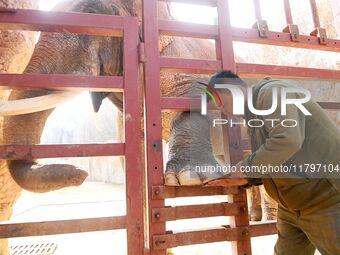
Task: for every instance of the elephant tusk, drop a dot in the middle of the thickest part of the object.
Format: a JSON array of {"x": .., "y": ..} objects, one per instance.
[{"x": 36, "y": 104}]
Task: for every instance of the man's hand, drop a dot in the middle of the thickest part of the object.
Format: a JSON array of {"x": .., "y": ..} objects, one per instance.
[{"x": 236, "y": 178}]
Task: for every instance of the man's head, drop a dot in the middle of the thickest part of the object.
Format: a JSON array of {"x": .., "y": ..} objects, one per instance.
[{"x": 227, "y": 77}]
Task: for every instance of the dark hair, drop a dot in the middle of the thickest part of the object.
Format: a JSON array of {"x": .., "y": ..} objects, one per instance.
[{"x": 226, "y": 77}]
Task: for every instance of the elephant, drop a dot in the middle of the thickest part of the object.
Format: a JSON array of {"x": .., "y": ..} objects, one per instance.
[{"x": 63, "y": 53}]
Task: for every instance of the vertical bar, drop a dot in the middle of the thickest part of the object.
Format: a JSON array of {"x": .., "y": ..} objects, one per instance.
[
  {"x": 232, "y": 138},
  {"x": 133, "y": 139},
  {"x": 153, "y": 123},
  {"x": 315, "y": 13},
  {"x": 257, "y": 8},
  {"x": 288, "y": 12},
  {"x": 225, "y": 51}
]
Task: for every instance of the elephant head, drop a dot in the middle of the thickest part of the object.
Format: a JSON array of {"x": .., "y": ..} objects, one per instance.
[{"x": 61, "y": 53}]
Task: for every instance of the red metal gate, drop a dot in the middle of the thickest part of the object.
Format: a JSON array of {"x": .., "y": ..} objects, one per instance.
[
  {"x": 239, "y": 231},
  {"x": 129, "y": 83}
]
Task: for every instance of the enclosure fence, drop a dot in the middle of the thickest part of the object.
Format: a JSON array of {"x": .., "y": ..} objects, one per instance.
[{"x": 154, "y": 238}]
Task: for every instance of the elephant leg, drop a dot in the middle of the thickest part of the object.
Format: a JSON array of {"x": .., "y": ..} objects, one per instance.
[
  {"x": 269, "y": 206},
  {"x": 254, "y": 202}
]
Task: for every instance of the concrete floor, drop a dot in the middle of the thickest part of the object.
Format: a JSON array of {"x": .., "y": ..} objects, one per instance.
[{"x": 95, "y": 199}]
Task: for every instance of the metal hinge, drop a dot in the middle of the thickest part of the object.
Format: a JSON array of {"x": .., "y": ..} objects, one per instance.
[
  {"x": 141, "y": 52},
  {"x": 262, "y": 27},
  {"x": 321, "y": 34},
  {"x": 294, "y": 32}
]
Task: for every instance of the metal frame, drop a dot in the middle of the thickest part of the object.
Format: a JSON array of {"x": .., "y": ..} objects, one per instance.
[
  {"x": 126, "y": 27},
  {"x": 158, "y": 239},
  {"x": 239, "y": 231}
]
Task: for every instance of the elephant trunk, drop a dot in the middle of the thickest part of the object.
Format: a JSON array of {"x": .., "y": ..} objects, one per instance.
[
  {"x": 27, "y": 128},
  {"x": 43, "y": 178}
]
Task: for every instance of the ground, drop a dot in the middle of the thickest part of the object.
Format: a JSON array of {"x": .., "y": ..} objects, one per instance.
[{"x": 96, "y": 199}]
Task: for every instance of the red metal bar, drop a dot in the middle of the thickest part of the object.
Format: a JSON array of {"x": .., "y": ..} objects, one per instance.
[
  {"x": 257, "y": 9},
  {"x": 194, "y": 66},
  {"x": 61, "y": 82},
  {"x": 316, "y": 19},
  {"x": 81, "y": 23},
  {"x": 263, "y": 229},
  {"x": 177, "y": 28},
  {"x": 232, "y": 136},
  {"x": 153, "y": 125},
  {"x": 195, "y": 211},
  {"x": 232, "y": 139},
  {"x": 246, "y": 35},
  {"x": 255, "y": 70},
  {"x": 9, "y": 230},
  {"x": 187, "y": 104},
  {"x": 221, "y": 234},
  {"x": 225, "y": 40},
  {"x": 133, "y": 139},
  {"x": 14, "y": 152},
  {"x": 288, "y": 12},
  {"x": 161, "y": 192}
]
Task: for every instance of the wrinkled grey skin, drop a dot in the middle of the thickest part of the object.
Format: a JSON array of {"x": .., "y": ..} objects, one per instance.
[
  {"x": 190, "y": 148},
  {"x": 57, "y": 53}
]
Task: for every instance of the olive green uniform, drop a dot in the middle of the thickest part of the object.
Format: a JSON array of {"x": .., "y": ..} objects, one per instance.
[{"x": 309, "y": 205}]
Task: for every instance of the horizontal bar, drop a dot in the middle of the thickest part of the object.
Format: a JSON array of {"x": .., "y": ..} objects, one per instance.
[
  {"x": 284, "y": 39},
  {"x": 66, "y": 22},
  {"x": 186, "y": 104},
  {"x": 256, "y": 70},
  {"x": 28, "y": 152},
  {"x": 178, "y": 28},
  {"x": 212, "y": 3},
  {"x": 263, "y": 228},
  {"x": 161, "y": 242},
  {"x": 196, "y": 211},
  {"x": 226, "y": 233},
  {"x": 162, "y": 192},
  {"x": 193, "y": 66},
  {"x": 10, "y": 230},
  {"x": 61, "y": 82},
  {"x": 180, "y": 104}
]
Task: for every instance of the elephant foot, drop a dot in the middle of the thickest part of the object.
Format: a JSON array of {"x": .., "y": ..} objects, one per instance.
[
  {"x": 189, "y": 176},
  {"x": 255, "y": 216},
  {"x": 185, "y": 177},
  {"x": 45, "y": 178}
]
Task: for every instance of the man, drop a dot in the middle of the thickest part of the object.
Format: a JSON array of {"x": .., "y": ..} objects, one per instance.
[{"x": 309, "y": 200}]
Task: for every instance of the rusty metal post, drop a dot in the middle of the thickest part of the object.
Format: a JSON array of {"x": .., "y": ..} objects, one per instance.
[
  {"x": 133, "y": 138},
  {"x": 153, "y": 122},
  {"x": 232, "y": 136}
]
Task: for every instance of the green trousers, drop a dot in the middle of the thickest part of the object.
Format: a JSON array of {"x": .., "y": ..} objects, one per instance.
[{"x": 300, "y": 233}]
